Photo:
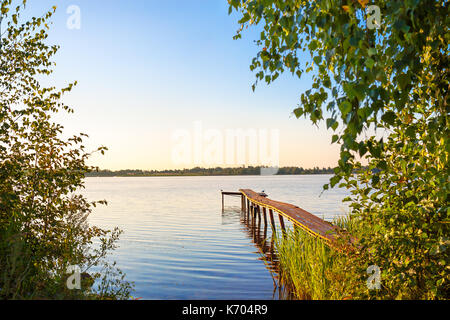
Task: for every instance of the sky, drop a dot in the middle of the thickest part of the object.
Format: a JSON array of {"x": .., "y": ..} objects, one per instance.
[{"x": 162, "y": 84}]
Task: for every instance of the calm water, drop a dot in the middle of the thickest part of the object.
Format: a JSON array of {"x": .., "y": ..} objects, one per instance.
[{"x": 177, "y": 242}]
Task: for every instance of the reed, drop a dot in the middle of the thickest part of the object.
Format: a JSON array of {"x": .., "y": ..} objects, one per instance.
[{"x": 310, "y": 269}]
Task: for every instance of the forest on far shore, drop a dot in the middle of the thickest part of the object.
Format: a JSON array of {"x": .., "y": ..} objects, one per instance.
[{"x": 244, "y": 171}]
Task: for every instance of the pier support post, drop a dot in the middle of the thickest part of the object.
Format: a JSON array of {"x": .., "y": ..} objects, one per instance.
[
  {"x": 265, "y": 235},
  {"x": 282, "y": 224},
  {"x": 259, "y": 226},
  {"x": 247, "y": 208},
  {"x": 302, "y": 221},
  {"x": 253, "y": 214},
  {"x": 272, "y": 221},
  {"x": 265, "y": 217}
]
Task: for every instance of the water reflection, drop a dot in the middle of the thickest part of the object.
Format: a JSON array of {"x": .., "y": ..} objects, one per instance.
[
  {"x": 258, "y": 229},
  {"x": 177, "y": 244}
]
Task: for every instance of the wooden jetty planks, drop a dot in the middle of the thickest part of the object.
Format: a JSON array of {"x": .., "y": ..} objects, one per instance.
[
  {"x": 299, "y": 217},
  {"x": 228, "y": 193}
]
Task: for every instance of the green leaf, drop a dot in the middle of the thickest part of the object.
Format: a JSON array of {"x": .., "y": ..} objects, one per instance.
[
  {"x": 369, "y": 63},
  {"x": 375, "y": 179},
  {"x": 317, "y": 59},
  {"x": 372, "y": 51},
  {"x": 298, "y": 112},
  {"x": 334, "y": 138},
  {"x": 335, "y": 180},
  {"x": 313, "y": 45},
  {"x": 389, "y": 117},
  {"x": 403, "y": 80},
  {"x": 330, "y": 122},
  {"x": 345, "y": 107},
  {"x": 359, "y": 92}
]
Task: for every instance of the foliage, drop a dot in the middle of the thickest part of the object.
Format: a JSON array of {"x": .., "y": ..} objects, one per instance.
[
  {"x": 43, "y": 221},
  {"x": 394, "y": 79}
]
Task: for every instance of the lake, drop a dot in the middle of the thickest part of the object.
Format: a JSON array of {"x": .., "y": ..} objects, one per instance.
[{"x": 177, "y": 242}]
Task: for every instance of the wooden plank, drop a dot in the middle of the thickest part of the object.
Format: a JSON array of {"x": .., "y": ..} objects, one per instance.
[
  {"x": 228, "y": 193},
  {"x": 299, "y": 217}
]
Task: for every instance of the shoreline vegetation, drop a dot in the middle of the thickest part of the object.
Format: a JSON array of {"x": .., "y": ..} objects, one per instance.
[
  {"x": 392, "y": 78},
  {"x": 48, "y": 248},
  {"x": 311, "y": 270},
  {"x": 218, "y": 171}
]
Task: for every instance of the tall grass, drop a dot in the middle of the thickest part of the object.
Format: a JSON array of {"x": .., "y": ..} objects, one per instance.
[{"x": 312, "y": 270}]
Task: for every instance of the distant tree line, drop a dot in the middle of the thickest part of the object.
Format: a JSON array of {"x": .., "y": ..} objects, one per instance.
[{"x": 218, "y": 171}]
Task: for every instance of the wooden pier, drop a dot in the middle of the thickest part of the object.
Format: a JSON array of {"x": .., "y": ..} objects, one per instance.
[{"x": 257, "y": 205}]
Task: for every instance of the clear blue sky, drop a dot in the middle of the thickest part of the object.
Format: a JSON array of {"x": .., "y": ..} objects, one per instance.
[{"x": 149, "y": 68}]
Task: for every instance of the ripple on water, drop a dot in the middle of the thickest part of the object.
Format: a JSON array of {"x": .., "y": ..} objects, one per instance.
[{"x": 177, "y": 242}]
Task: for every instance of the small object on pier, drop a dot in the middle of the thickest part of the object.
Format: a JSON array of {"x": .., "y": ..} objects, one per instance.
[{"x": 263, "y": 194}]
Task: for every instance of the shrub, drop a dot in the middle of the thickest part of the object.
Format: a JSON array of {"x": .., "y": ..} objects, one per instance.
[{"x": 43, "y": 219}]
